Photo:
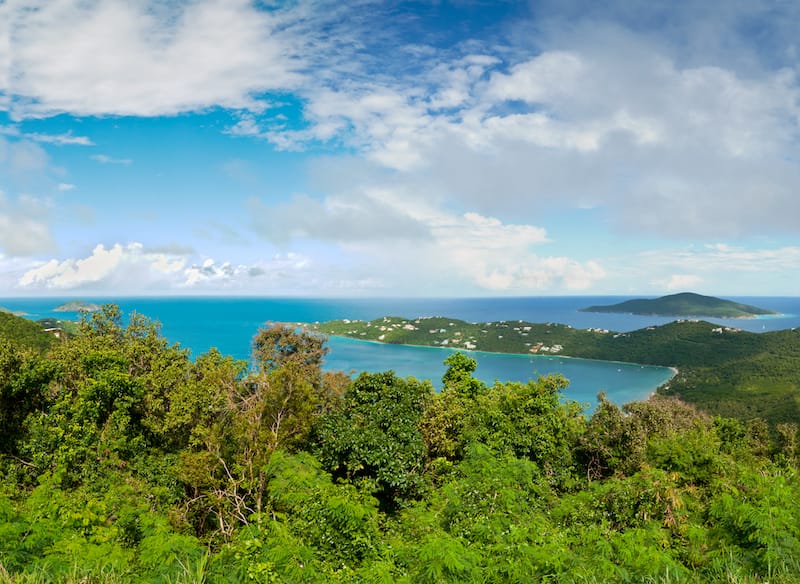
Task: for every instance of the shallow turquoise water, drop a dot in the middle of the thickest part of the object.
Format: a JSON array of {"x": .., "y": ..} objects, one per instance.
[
  {"x": 622, "y": 382},
  {"x": 230, "y": 323}
]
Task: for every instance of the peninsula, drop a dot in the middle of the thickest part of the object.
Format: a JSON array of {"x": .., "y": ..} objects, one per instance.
[
  {"x": 684, "y": 304},
  {"x": 723, "y": 370}
]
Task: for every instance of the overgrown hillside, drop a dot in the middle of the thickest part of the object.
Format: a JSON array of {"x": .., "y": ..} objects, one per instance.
[
  {"x": 23, "y": 333},
  {"x": 123, "y": 460}
]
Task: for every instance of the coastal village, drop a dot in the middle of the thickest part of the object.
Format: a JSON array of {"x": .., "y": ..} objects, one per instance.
[
  {"x": 654, "y": 345},
  {"x": 437, "y": 331}
]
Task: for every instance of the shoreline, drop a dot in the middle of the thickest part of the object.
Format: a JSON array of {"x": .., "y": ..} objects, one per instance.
[
  {"x": 524, "y": 355},
  {"x": 694, "y": 316}
]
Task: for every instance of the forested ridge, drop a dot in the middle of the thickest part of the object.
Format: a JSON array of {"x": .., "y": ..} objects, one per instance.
[{"x": 125, "y": 460}]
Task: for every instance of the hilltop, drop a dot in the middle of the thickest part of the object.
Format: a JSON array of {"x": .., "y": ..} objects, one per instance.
[
  {"x": 684, "y": 304},
  {"x": 23, "y": 333}
]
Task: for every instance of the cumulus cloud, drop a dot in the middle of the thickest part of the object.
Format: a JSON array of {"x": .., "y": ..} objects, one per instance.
[
  {"x": 215, "y": 275},
  {"x": 466, "y": 147},
  {"x": 431, "y": 250},
  {"x": 607, "y": 114},
  {"x": 129, "y": 266},
  {"x": 143, "y": 58},
  {"x": 134, "y": 268},
  {"x": 487, "y": 254}
]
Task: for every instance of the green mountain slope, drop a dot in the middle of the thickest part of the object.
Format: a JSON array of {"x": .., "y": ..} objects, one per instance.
[
  {"x": 23, "y": 332},
  {"x": 684, "y": 304}
]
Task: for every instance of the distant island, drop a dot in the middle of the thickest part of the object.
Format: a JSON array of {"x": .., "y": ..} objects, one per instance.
[
  {"x": 5, "y": 310},
  {"x": 684, "y": 304},
  {"x": 77, "y": 306}
]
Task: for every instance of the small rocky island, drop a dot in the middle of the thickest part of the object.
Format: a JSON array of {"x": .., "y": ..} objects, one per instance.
[
  {"x": 684, "y": 304},
  {"x": 77, "y": 306}
]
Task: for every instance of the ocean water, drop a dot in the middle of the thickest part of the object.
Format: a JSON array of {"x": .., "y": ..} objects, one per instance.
[{"x": 230, "y": 323}]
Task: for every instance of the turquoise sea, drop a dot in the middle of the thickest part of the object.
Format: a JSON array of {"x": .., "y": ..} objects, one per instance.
[{"x": 229, "y": 323}]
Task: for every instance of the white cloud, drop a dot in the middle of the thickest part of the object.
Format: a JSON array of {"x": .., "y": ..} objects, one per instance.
[
  {"x": 143, "y": 58},
  {"x": 61, "y": 139},
  {"x": 430, "y": 250},
  {"x": 63, "y": 187},
  {"x": 105, "y": 159},
  {"x": 133, "y": 268},
  {"x": 546, "y": 79},
  {"x": 465, "y": 148},
  {"x": 484, "y": 253},
  {"x": 210, "y": 271},
  {"x": 57, "y": 139},
  {"x": 128, "y": 265},
  {"x": 603, "y": 116}
]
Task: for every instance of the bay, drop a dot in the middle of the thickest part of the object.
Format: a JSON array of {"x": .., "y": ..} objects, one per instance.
[{"x": 199, "y": 323}]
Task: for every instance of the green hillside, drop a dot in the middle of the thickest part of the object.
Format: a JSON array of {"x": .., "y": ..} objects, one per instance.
[
  {"x": 23, "y": 332},
  {"x": 125, "y": 460},
  {"x": 684, "y": 304},
  {"x": 723, "y": 370}
]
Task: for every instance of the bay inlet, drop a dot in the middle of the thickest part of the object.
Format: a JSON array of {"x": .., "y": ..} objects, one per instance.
[
  {"x": 199, "y": 323},
  {"x": 622, "y": 382}
]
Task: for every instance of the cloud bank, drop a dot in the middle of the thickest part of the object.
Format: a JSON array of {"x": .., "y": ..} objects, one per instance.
[{"x": 684, "y": 130}]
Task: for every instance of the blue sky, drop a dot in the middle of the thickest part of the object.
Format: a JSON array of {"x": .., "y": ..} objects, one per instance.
[{"x": 364, "y": 148}]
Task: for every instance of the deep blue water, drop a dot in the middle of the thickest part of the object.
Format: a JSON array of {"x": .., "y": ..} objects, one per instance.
[{"x": 230, "y": 323}]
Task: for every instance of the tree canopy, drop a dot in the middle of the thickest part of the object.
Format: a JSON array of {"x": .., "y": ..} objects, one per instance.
[{"x": 123, "y": 459}]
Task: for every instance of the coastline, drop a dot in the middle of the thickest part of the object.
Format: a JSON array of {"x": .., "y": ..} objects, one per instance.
[
  {"x": 694, "y": 316},
  {"x": 522, "y": 355}
]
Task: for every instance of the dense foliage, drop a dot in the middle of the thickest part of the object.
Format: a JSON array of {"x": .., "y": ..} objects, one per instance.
[
  {"x": 23, "y": 333},
  {"x": 124, "y": 460}
]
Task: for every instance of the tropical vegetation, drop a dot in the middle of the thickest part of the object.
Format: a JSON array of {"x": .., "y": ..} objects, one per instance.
[{"x": 124, "y": 459}]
